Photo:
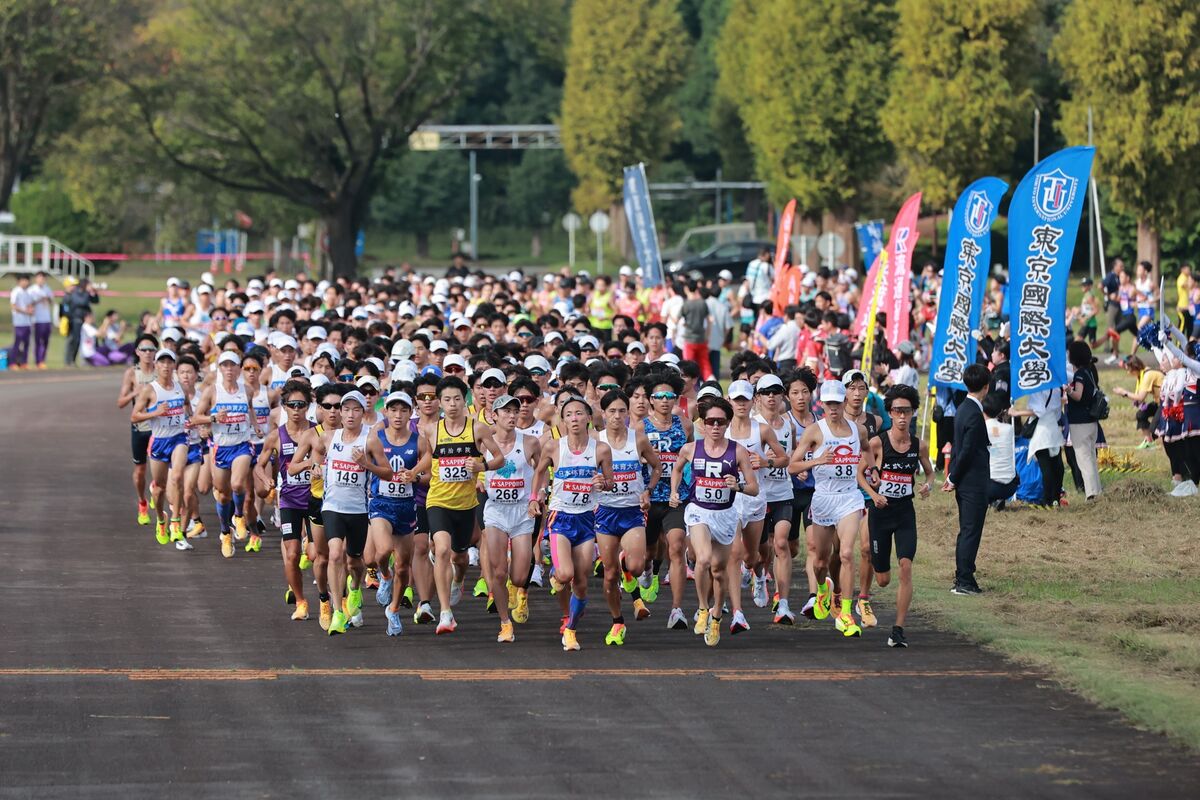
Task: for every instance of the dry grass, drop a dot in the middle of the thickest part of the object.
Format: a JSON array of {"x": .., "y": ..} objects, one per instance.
[{"x": 1105, "y": 596}]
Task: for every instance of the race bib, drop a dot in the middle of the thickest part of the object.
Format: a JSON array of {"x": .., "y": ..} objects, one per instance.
[
  {"x": 348, "y": 474},
  {"x": 711, "y": 490},
  {"x": 454, "y": 469},
  {"x": 623, "y": 482},
  {"x": 668, "y": 463},
  {"x": 777, "y": 474},
  {"x": 300, "y": 479},
  {"x": 395, "y": 490},
  {"x": 506, "y": 490},
  {"x": 895, "y": 484},
  {"x": 576, "y": 493}
]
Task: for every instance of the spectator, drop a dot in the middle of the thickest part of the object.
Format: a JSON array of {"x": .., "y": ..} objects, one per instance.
[
  {"x": 968, "y": 475},
  {"x": 722, "y": 324},
  {"x": 1081, "y": 392},
  {"x": 76, "y": 305},
  {"x": 91, "y": 350},
  {"x": 1144, "y": 397},
  {"x": 696, "y": 323},
  {"x": 905, "y": 373},
  {"x": 760, "y": 274},
  {"x": 1001, "y": 450},
  {"x": 43, "y": 317},
  {"x": 21, "y": 301},
  {"x": 1046, "y": 442}
]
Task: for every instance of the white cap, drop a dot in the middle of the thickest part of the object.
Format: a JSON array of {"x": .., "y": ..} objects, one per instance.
[
  {"x": 316, "y": 332},
  {"x": 172, "y": 281},
  {"x": 379, "y": 365},
  {"x": 625, "y": 271},
  {"x": 515, "y": 276},
  {"x": 455, "y": 360},
  {"x": 318, "y": 380},
  {"x": 406, "y": 309},
  {"x": 291, "y": 283},
  {"x": 254, "y": 307},
  {"x": 768, "y": 381},
  {"x": 492, "y": 374},
  {"x": 438, "y": 299},
  {"x": 229, "y": 357},
  {"x": 585, "y": 341},
  {"x": 636, "y": 345},
  {"x": 738, "y": 390},
  {"x": 548, "y": 278},
  {"x": 172, "y": 334},
  {"x": 833, "y": 392},
  {"x": 327, "y": 349},
  {"x": 402, "y": 350},
  {"x": 397, "y": 397},
  {"x": 254, "y": 283},
  {"x": 810, "y": 279},
  {"x": 404, "y": 371},
  {"x": 668, "y": 358},
  {"x": 536, "y": 362},
  {"x": 204, "y": 288},
  {"x": 853, "y": 375},
  {"x": 438, "y": 344},
  {"x": 166, "y": 353},
  {"x": 367, "y": 380},
  {"x": 355, "y": 397},
  {"x": 638, "y": 272},
  {"x": 725, "y": 275},
  {"x": 280, "y": 340},
  {"x": 712, "y": 391},
  {"x": 244, "y": 329},
  {"x": 260, "y": 336},
  {"x": 553, "y": 336},
  {"x": 299, "y": 371},
  {"x": 360, "y": 313},
  {"x": 206, "y": 278},
  {"x": 460, "y": 322},
  {"x": 276, "y": 283}
]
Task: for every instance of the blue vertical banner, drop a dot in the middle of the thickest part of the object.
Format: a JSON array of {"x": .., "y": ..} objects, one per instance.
[
  {"x": 964, "y": 280},
  {"x": 641, "y": 224},
  {"x": 1043, "y": 220},
  {"x": 870, "y": 241}
]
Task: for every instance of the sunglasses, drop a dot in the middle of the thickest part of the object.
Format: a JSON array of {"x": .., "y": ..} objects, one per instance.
[
  {"x": 663, "y": 396},
  {"x": 454, "y": 370},
  {"x": 145, "y": 349},
  {"x": 901, "y": 410},
  {"x": 329, "y": 406},
  {"x": 770, "y": 392},
  {"x": 718, "y": 421},
  {"x": 526, "y": 399},
  {"x": 526, "y": 334},
  {"x": 537, "y": 373},
  {"x": 346, "y": 378},
  {"x": 369, "y": 390},
  {"x": 297, "y": 404},
  {"x": 427, "y": 396},
  {"x": 220, "y": 319},
  {"x": 608, "y": 387}
]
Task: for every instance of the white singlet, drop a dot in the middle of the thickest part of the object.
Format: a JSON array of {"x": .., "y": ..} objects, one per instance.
[
  {"x": 628, "y": 483},
  {"x": 572, "y": 489},
  {"x": 170, "y": 424},
  {"x": 345, "y": 479},
  {"x": 236, "y": 428}
]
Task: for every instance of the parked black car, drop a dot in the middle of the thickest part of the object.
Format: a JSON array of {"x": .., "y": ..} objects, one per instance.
[{"x": 733, "y": 256}]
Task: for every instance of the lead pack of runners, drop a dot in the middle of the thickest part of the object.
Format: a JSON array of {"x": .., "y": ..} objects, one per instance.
[{"x": 407, "y": 434}]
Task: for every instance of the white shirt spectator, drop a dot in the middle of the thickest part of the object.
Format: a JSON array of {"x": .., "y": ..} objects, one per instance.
[
  {"x": 21, "y": 299},
  {"x": 904, "y": 375},
  {"x": 1002, "y": 451},
  {"x": 722, "y": 321},
  {"x": 759, "y": 277},
  {"x": 43, "y": 303},
  {"x": 87, "y": 340},
  {"x": 783, "y": 341}
]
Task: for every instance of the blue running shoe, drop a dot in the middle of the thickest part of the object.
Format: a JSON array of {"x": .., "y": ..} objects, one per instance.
[
  {"x": 383, "y": 595},
  {"x": 394, "y": 627}
]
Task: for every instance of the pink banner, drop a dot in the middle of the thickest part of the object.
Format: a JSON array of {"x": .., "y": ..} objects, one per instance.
[
  {"x": 897, "y": 280},
  {"x": 783, "y": 246}
]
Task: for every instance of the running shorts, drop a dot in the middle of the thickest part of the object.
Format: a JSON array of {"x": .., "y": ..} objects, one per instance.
[
  {"x": 422, "y": 519},
  {"x": 830, "y": 508},
  {"x": 459, "y": 523},
  {"x": 777, "y": 512},
  {"x": 662, "y": 519},
  {"x": 800, "y": 517},
  {"x": 224, "y": 455},
  {"x": 352, "y": 528},
  {"x": 577, "y": 528},
  {"x": 897, "y": 520},
  {"x": 139, "y": 443},
  {"x": 750, "y": 508},
  {"x": 722, "y": 524},
  {"x": 291, "y": 523},
  {"x": 512, "y": 518},
  {"x": 161, "y": 449},
  {"x": 619, "y": 521},
  {"x": 401, "y": 515},
  {"x": 195, "y": 453}
]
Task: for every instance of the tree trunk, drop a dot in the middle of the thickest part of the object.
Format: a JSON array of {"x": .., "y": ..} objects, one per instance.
[
  {"x": 535, "y": 245},
  {"x": 423, "y": 244},
  {"x": 342, "y": 230},
  {"x": 8, "y": 177},
  {"x": 618, "y": 232},
  {"x": 1147, "y": 246}
]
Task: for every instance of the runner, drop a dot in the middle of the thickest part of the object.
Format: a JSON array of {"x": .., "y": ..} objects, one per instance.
[
  {"x": 621, "y": 514},
  {"x": 295, "y": 493},
  {"x": 899, "y": 453},
  {"x": 136, "y": 377},
  {"x": 457, "y": 459},
  {"x": 777, "y": 490},
  {"x": 163, "y": 404},
  {"x": 428, "y": 414},
  {"x": 226, "y": 407},
  {"x": 252, "y": 370},
  {"x": 800, "y": 386},
  {"x": 717, "y": 466},
  {"x": 667, "y": 434},
  {"x": 835, "y": 445},
  {"x": 582, "y": 469},
  {"x": 187, "y": 373},
  {"x": 855, "y": 412},
  {"x": 507, "y": 524}
]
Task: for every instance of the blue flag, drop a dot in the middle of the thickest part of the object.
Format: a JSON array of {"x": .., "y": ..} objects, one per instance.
[
  {"x": 641, "y": 224},
  {"x": 964, "y": 280},
  {"x": 870, "y": 240},
  {"x": 1043, "y": 219}
]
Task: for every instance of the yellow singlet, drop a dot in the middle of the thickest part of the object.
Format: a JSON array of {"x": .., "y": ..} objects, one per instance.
[
  {"x": 452, "y": 485},
  {"x": 318, "y": 475}
]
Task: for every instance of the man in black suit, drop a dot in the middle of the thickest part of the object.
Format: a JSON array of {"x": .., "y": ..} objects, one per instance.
[{"x": 968, "y": 477}]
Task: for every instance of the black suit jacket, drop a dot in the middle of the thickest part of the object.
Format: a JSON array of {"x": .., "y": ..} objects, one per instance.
[{"x": 969, "y": 458}]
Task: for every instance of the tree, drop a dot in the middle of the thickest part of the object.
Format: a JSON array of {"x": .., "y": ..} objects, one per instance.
[
  {"x": 539, "y": 192},
  {"x": 810, "y": 94},
  {"x": 960, "y": 90},
  {"x": 300, "y": 100},
  {"x": 1138, "y": 66},
  {"x": 48, "y": 49},
  {"x": 622, "y": 67},
  {"x": 423, "y": 192}
]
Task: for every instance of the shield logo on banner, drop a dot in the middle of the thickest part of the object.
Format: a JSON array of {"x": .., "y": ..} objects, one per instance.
[
  {"x": 1053, "y": 195},
  {"x": 979, "y": 211}
]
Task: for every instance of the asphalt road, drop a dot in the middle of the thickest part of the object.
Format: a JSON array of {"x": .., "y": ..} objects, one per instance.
[{"x": 128, "y": 669}]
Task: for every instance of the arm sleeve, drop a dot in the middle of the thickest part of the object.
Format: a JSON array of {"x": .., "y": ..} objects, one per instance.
[{"x": 1192, "y": 364}]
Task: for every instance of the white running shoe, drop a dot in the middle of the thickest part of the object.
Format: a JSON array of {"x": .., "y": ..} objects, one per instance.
[
  {"x": 677, "y": 621},
  {"x": 473, "y": 556},
  {"x": 183, "y": 544},
  {"x": 1187, "y": 489},
  {"x": 747, "y": 575},
  {"x": 760, "y": 591},
  {"x": 644, "y": 580},
  {"x": 536, "y": 577},
  {"x": 456, "y": 592},
  {"x": 738, "y": 623},
  {"x": 357, "y": 620}
]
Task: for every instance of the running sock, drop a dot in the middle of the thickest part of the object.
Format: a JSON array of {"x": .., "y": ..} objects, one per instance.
[
  {"x": 578, "y": 604},
  {"x": 864, "y": 597},
  {"x": 620, "y": 620},
  {"x": 657, "y": 566},
  {"x": 239, "y": 503},
  {"x": 323, "y": 596},
  {"x": 845, "y": 605},
  {"x": 225, "y": 514},
  {"x": 636, "y": 594}
]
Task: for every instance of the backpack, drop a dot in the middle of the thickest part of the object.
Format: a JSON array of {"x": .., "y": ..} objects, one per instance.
[
  {"x": 837, "y": 353},
  {"x": 1098, "y": 408}
]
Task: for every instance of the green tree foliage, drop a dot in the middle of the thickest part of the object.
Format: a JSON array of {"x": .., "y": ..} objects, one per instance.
[
  {"x": 48, "y": 48},
  {"x": 422, "y": 193},
  {"x": 960, "y": 90},
  {"x": 1138, "y": 66},
  {"x": 43, "y": 208},
  {"x": 623, "y": 64},
  {"x": 809, "y": 80},
  {"x": 300, "y": 100}
]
